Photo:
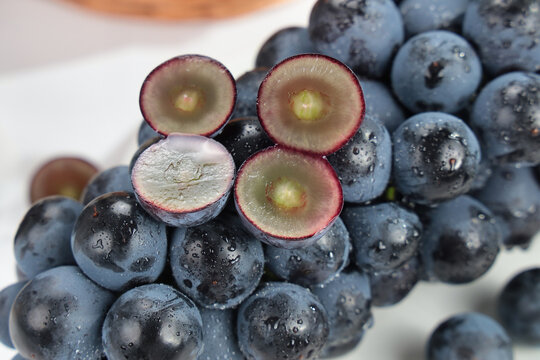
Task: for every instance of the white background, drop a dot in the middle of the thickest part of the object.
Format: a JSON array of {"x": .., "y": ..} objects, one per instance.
[{"x": 69, "y": 85}]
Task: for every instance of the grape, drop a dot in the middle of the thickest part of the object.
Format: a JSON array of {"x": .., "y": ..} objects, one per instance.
[{"x": 7, "y": 297}]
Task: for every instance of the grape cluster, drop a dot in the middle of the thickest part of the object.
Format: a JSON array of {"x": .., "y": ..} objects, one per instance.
[{"x": 262, "y": 217}]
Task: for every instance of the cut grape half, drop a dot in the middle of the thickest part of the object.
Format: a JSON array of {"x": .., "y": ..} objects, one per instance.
[
  {"x": 311, "y": 102},
  {"x": 190, "y": 94},
  {"x": 183, "y": 179},
  {"x": 65, "y": 176},
  {"x": 287, "y": 198}
]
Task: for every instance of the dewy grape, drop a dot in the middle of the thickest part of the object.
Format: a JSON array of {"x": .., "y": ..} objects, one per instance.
[{"x": 264, "y": 217}]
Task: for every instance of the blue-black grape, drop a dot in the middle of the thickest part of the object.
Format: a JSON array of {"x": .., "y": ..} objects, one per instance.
[
  {"x": 153, "y": 321},
  {"x": 506, "y": 34},
  {"x": 7, "y": 296},
  {"x": 519, "y": 306},
  {"x": 436, "y": 157},
  {"x": 424, "y": 15},
  {"x": 145, "y": 133},
  {"x": 282, "y": 44},
  {"x": 364, "y": 163},
  {"x": 218, "y": 264},
  {"x": 282, "y": 321},
  {"x": 461, "y": 241},
  {"x": 117, "y": 178},
  {"x": 469, "y": 336},
  {"x": 118, "y": 244},
  {"x": 247, "y": 87},
  {"x": 58, "y": 315},
  {"x": 347, "y": 299},
  {"x": 436, "y": 71},
  {"x": 513, "y": 195},
  {"x": 381, "y": 104},
  {"x": 389, "y": 287},
  {"x": 243, "y": 137},
  {"x": 363, "y": 34},
  {"x": 506, "y": 115},
  {"x": 42, "y": 240},
  {"x": 219, "y": 334},
  {"x": 383, "y": 236},
  {"x": 316, "y": 264}
]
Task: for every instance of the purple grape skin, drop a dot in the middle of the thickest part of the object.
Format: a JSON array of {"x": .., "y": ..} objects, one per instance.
[
  {"x": 153, "y": 321},
  {"x": 435, "y": 158},
  {"x": 518, "y": 306},
  {"x": 364, "y": 163},
  {"x": 513, "y": 195},
  {"x": 389, "y": 287},
  {"x": 218, "y": 264},
  {"x": 381, "y": 104},
  {"x": 284, "y": 43},
  {"x": 243, "y": 137},
  {"x": 42, "y": 240},
  {"x": 506, "y": 115},
  {"x": 7, "y": 297},
  {"x": 436, "y": 71},
  {"x": 118, "y": 244},
  {"x": 219, "y": 334},
  {"x": 363, "y": 34},
  {"x": 282, "y": 320},
  {"x": 469, "y": 336},
  {"x": 347, "y": 299},
  {"x": 58, "y": 315},
  {"x": 247, "y": 88},
  {"x": 461, "y": 241},
  {"x": 506, "y": 34},
  {"x": 316, "y": 264},
  {"x": 424, "y": 15},
  {"x": 145, "y": 133},
  {"x": 117, "y": 178},
  {"x": 383, "y": 236}
]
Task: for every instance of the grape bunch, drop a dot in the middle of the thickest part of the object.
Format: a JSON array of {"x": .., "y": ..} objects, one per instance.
[{"x": 384, "y": 144}]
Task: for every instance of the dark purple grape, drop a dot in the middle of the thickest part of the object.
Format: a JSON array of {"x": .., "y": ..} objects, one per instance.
[
  {"x": 58, "y": 315},
  {"x": 118, "y": 244},
  {"x": 506, "y": 115},
  {"x": 282, "y": 44},
  {"x": 383, "y": 236},
  {"x": 42, "y": 240},
  {"x": 469, "y": 336},
  {"x": 436, "y": 157},
  {"x": 316, "y": 264},
  {"x": 381, "y": 104},
  {"x": 153, "y": 321},
  {"x": 513, "y": 195},
  {"x": 282, "y": 321},
  {"x": 347, "y": 299},
  {"x": 145, "y": 133},
  {"x": 219, "y": 334},
  {"x": 7, "y": 296},
  {"x": 519, "y": 306},
  {"x": 218, "y": 264},
  {"x": 364, "y": 163},
  {"x": 424, "y": 15},
  {"x": 461, "y": 241},
  {"x": 506, "y": 34},
  {"x": 436, "y": 71},
  {"x": 363, "y": 34},
  {"x": 243, "y": 137},
  {"x": 389, "y": 287},
  {"x": 117, "y": 178},
  {"x": 247, "y": 87}
]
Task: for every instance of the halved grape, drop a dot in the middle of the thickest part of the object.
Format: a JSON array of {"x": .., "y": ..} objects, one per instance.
[
  {"x": 287, "y": 198},
  {"x": 191, "y": 94},
  {"x": 183, "y": 180},
  {"x": 65, "y": 176},
  {"x": 311, "y": 102}
]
